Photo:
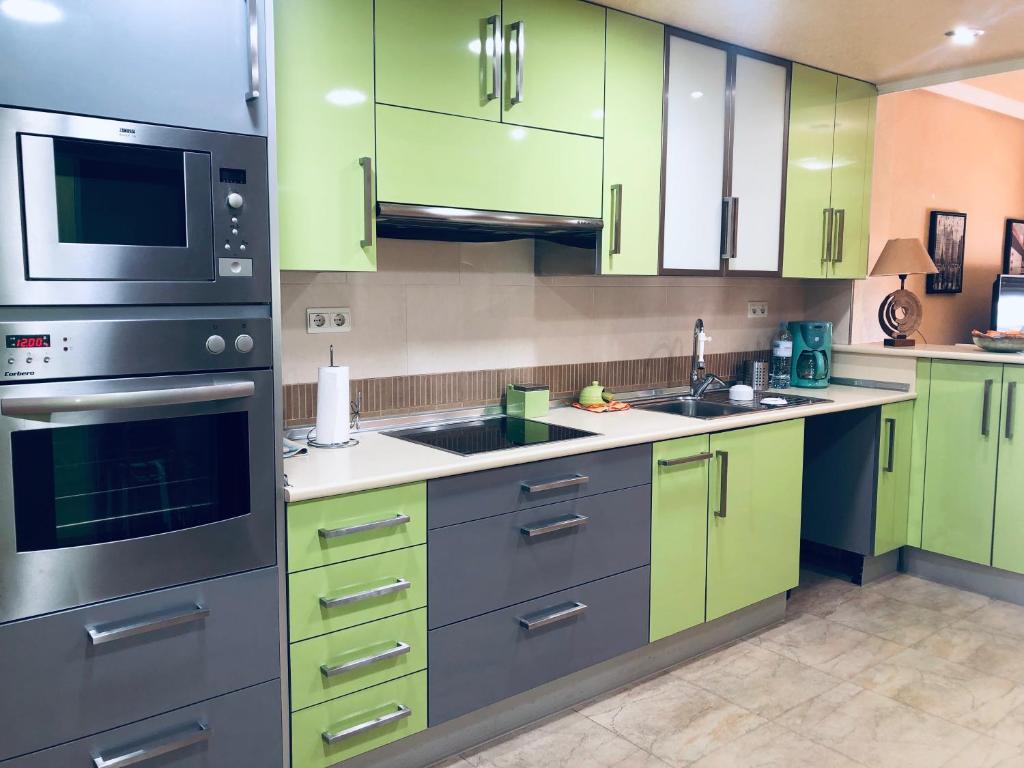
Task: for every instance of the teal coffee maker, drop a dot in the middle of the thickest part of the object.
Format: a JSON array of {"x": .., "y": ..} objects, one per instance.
[{"x": 812, "y": 353}]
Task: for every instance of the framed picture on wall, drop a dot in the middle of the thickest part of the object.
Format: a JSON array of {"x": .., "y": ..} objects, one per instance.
[
  {"x": 947, "y": 234},
  {"x": 1013, "y": 247}
]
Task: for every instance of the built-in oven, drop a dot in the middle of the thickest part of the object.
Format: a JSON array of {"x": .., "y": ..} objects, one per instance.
[
  {"x": 103, "y": 211},
  {"x": 112, "y": 485}
]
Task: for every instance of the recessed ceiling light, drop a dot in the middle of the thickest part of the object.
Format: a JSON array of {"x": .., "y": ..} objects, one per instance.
[
  {"x": 696, "y": 94},
  {"x": 964, "y": 35}
]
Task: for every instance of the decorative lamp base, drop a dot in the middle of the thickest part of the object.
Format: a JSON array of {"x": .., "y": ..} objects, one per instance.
[{"x": 900, "y": 342}]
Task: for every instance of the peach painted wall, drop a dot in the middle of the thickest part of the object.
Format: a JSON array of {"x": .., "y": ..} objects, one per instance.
[{"x": 936, "y": 153}]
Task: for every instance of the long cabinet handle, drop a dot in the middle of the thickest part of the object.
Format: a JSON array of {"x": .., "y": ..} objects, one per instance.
[
  {"x": 517, "y": 37},
  {"x": 554, "y": 525},
  {"x": 840, "y": 226},
  {"x": 1011, "y": 407},
  {"x": 723, "y": 488},
  {"x": 890, "y": 460},
  {"x": 986, "y": 407},
  {"x": 398, "y": 585},
  {"x": 400, "y": 713},
  {"x": 348, "y": 530},
  {"x": 549, "y": 616},
  {"x": 826, "y": 235},
  {"x": 253, "y": 35},
  {"x": 685, "y": 460},
  {"x": 367, "y": 166},
  {"x": 108, "y": 633},
  {"x": 109, "y": 401},
  {"x": 730, "y": 223},
  {"x": 398, "y": 649},
  {"x": 492, "y": 50},
  {"x": 554, "y": 485},
  {"x": 616, "y": 202},
  {"x": 197, "y": 733}
]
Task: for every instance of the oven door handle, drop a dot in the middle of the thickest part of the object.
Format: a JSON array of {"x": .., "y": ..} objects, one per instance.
[{"x": 105, "y": 401}]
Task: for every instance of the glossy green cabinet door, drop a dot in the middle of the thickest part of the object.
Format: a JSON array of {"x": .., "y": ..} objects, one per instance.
[
  {"x": 632, "y": 145},
  {"x": 754, "y": 515},
  {"x": 893, "y": 493},
  {"x": 919, "y": 452},
  {"x": 851, "y": 175},
  {"x": 679, "y": 529},
  {"x": 812, "y": 113},
  {"x": 556, "y": 79},
  {"x": 324, "y": 67},
  {"x": 440, "y": 56},
  {"x": 1008, "y": 542},
  {"x": 963, "y": 444}
]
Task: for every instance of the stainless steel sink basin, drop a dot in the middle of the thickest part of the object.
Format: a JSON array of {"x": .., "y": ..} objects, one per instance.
[
  {"x": 716, "y": 404},
  {"x": 694, "y": 408}
]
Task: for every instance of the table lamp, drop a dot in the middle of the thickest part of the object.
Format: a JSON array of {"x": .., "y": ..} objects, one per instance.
[{"x": 900, "y": 311}]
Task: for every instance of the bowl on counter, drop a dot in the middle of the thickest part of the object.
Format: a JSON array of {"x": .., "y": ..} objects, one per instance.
[{"x": 999, "y": 341}]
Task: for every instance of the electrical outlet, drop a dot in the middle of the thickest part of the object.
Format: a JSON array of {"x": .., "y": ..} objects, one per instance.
[
  {"x": 328, "y": 320},
  {"x": 757, "y": 309}
]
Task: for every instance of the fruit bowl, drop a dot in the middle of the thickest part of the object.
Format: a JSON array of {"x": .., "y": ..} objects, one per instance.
[{"x": 999, "y": 341}]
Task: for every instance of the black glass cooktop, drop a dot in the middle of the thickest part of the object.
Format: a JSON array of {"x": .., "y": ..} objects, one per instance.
[{"x": 495, "y": 433}]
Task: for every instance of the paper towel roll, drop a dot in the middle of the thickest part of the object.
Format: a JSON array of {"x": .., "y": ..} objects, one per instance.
[{"x": 332, "y": 405}]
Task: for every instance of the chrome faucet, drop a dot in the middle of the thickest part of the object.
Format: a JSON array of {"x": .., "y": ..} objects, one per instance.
[{"x": 700, "y": 380}]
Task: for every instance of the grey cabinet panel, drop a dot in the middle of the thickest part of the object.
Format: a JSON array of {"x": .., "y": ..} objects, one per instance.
[
  {"x": 242, "y": 729},
  {"x": 181, "y": 63},
  {"x": 462, "y": 498},
  {"x": 62, "y": 685},
  {"x": 610, "y": 533},
  {"x": 480, "y": 661}
]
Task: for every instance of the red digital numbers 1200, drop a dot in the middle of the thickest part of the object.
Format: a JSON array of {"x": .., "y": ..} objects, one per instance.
[{"x": 28, "y": 342}]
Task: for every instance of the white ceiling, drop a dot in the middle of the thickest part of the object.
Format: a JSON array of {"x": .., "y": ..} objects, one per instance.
[{"x": 899, "y": 42}]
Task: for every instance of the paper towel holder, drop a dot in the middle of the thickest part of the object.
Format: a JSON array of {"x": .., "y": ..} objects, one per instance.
[{"x": 351, "y": 442}]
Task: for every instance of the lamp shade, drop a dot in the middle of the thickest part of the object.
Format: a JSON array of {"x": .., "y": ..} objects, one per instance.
[{"x": 904, "y": 256}]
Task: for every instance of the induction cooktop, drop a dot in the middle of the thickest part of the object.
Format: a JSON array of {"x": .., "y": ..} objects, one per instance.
[{"x": 495, "y": 433}]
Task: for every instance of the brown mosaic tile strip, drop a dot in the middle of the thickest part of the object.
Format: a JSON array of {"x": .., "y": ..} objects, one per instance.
[{"x": 397, "y": 395}]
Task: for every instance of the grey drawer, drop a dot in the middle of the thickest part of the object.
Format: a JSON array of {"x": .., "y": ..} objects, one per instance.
[
  {"x": 483, "y": 660},
  {"x": 62, "y": 685},
  {"x": 462, "y": 498},
  {"x": 241, "y": 729},
  {"x": 611, "y": 533}
]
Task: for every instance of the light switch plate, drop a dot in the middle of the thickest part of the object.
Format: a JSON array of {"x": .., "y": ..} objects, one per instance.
[
  {"x": 328, "y": 320},
  {"x": 757, "y": 309}
]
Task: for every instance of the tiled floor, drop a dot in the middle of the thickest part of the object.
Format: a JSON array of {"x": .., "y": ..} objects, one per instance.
[{"x": 904, "y": 673}]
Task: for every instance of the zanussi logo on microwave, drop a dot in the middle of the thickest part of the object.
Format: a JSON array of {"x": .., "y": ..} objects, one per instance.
[{"x": 127, "y": 131}]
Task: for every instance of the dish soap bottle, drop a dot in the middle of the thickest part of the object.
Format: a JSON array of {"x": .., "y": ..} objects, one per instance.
[{"x": 782, "y": 358}]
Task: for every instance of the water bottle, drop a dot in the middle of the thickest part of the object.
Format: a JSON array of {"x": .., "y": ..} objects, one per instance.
[{"x": 782, "y": 356}]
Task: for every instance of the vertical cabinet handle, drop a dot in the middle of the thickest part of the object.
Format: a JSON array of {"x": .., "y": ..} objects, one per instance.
[
  {"x": 517, "y": 37},
  {"x": 890, "y": 457},
  {"x": 1011, "y": 407},
  {"x": 826, "y": 235},
  {"x": 198, "y": 733},
  {"x": 253, "y": 30},
  {"x": 492, "y": 47},
  {"x": 367, "y": 165},
  {"x": 723, "y": 488},
  {"x": 730, "y": 222},
  {"x": 840, "y": 226},
  {"x": 616, "y": 238},
  {"x": 986, "y": 407}
]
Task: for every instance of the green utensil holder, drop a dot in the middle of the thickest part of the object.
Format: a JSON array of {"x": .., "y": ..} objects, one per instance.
[{"x": 527, "y": 401}]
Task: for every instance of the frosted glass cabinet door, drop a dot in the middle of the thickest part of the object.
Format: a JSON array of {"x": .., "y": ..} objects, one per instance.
[
  {"x": 694, "y": 156},
  {"x": 758, "y": 162}
]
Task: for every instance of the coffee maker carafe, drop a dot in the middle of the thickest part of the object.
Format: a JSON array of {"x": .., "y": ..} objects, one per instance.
[{"x": 812, "y": 353}]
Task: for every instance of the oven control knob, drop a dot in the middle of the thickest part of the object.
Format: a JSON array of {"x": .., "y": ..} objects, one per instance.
[
  {"x": 244, "y": 343},
  {"x": 235, "y": 200},
  {"x": 215, "y": 344}
]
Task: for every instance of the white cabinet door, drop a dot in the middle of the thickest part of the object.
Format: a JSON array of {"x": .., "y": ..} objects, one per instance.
[
  {"x": 759, "y": 135},
  {"x": 694, "y": 156}
]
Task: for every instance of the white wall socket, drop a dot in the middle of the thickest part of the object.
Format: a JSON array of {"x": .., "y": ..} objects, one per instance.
[
  {"x": 328, "y": 320},
  {"x": 757, "y": 309}
]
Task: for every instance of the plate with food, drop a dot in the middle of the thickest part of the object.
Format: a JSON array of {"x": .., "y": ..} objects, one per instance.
[{"x": 999, "y": 341}]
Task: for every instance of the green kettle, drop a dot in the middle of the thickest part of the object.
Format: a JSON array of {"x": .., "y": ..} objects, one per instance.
[{"x": 595, "y": 394}]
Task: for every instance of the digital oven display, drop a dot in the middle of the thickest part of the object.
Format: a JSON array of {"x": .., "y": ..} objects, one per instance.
[{"x": 36, "y": 341}]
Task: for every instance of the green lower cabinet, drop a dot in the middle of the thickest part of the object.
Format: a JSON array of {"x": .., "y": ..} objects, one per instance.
[
  {"x": 679, "y": 529},
  {"x": 336, "y": 730},
  {"x": 960, "y": 472},
  {"x": 919, "y": 452},
  {"x": 754, "y": 515},
  {"x": 1008, "y": 541},
  {"x": 892, "y": 501}
]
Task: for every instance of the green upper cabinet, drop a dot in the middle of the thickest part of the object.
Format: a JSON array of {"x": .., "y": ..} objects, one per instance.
[
  {"x": 828, "y": 181},
  {"x": 960, "y": 474},
  {"x": 892, "y": 500},
  {"x": 1008, "y": 541},
  {"x": 754, "y": 515},
  {"x": 679, "y": 529},
  {"x": 440, "y": 56},
  {"x": 632, "y": 145},
  {"x": 325, "y": 134},
  {"x": 554, "y": 65}
]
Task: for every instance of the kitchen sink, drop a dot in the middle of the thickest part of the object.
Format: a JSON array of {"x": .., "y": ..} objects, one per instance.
[
  {"x": 694, "y": 408},
  {"x": 716, "y": 404}
]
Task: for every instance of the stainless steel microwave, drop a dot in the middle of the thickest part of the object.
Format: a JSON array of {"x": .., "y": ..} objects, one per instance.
[{"x": 101, "y": 211}]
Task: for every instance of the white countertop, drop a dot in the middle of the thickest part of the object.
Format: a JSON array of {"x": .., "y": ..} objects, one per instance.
[
  {"x": 379, "y": 460},
  {"x": 940, "y": 351}
]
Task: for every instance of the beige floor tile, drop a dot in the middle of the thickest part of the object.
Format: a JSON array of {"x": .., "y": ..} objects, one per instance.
[
  {"x": 826, "y": 645},
  {"x": 875, "y": 730},
  {"x": 565, "y": 741},
  {"x": 892, "y": 620},
  {"x": 948, "y": 601},
  {"x": 1000, "y": 617},
  {"x": 941, "y": 688},
  {"x": 674, "y": 720},
  {"x": 756, "y": 679},
  {"x": 773, "y": 746},
  {"x": 452, "y": 762},
  {"x": 819, "y": 594},
  {"x": 979, "y": 648},
  {"x": 985, "y": 752},
  {"x": 1002, "y": 719}
]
